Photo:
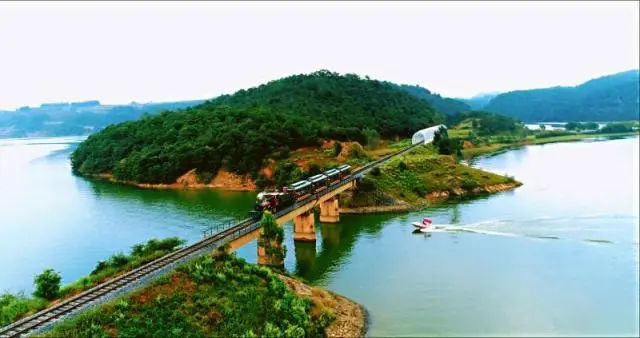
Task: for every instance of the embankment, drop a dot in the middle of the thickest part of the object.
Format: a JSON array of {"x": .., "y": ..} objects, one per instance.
[{"x": 350, "y": 317}]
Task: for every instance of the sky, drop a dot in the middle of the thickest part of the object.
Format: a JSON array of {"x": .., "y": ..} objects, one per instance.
[{"x": 119, "y": 52}]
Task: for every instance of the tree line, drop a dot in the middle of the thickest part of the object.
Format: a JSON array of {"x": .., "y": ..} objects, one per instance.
[{"x": 240, "y": 132}]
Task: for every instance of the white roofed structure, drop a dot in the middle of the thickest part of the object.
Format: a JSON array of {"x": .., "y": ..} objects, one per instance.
[{"x": 425, "y": 136}]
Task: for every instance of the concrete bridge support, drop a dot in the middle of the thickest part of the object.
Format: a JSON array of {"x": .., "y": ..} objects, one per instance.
[
  {"x": 330, "y": 210},
  {"x": 266, "y": 258},
  {"x": 304, "y": 227}
]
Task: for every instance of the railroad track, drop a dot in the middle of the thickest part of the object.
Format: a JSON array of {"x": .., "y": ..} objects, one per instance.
[{"x": 111, "y": 288}]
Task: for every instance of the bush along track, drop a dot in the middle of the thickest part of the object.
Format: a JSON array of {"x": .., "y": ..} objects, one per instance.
[{"x": 221, "y": 296}]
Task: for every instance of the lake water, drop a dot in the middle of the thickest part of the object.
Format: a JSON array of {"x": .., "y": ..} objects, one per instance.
[{"x": 557, "y": 256}]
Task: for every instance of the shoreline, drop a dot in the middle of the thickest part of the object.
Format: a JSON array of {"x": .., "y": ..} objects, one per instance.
[
  {"x": 495, "y": 149},
  {"x": 446, "y": 195},
  {"x": 351, "y": 318},
  {"x": 173, "y": 186},
  {"x": 243, "y": 184}
]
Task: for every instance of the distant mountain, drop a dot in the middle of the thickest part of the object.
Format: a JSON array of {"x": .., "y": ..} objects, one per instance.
[
  {"x": 76, "y": 118},
  {"x": 479, "y": 101},
  {"x": 608, "y": 98},
  {"x": 444, "y": 105}
]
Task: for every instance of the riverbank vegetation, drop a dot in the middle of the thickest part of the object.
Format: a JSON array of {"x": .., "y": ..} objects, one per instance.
[
  {"x": 239, "y": 132},
  {"x": 47, "y": 284},
  {"x": 421, "y": 176},
  {"x": 221, "y": 296},
  {"x": 508, "y": 133}
]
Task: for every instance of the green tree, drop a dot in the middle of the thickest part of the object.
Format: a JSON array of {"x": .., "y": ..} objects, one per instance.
[
  {"x": 47, "y": 284},
  {"x": 272, "y": 237},
  {"x": 446, "y": 145},
  {"x": 243, "y": 131},
  {"x": 372, "y": 137}
]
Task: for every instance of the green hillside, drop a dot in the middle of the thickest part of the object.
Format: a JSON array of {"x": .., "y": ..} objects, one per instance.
[
  {"x": 239, "y": 132},
  {"x": 444, "y": 105},
  {"x": 609, "y": 98}
]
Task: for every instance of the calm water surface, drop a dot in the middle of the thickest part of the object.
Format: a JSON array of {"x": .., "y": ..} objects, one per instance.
[{"x": 557, "y": 256}]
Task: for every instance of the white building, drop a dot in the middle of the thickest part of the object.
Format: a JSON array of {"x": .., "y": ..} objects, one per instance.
[{"x": 425, "y": 136}]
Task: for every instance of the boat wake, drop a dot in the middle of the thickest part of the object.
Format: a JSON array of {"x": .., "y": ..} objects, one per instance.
[{"x": 497, "y": 228}]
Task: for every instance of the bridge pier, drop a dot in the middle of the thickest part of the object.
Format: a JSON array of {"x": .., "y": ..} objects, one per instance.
[
  {"x": 330, "y": 210},
  {"x": 267, "y": 258},
  {"x": 304, "y": 227}
]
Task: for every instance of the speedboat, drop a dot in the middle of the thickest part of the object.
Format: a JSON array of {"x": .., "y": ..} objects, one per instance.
[
  {"x": 433, "y": 228},
  {"x": 427, "y": 226},
  {"x": 426, "y": 223}
]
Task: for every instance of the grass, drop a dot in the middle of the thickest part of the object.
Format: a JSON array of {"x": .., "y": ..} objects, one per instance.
[
  {"x": 16, "y": 306},
  {"x": 414, "y": 175},
  {"x": 120, "y": 263},
  {"x": 209, "y": 297}
]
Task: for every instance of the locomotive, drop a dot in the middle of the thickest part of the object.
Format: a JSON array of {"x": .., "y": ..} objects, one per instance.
[{"x": 274, "y": 201}]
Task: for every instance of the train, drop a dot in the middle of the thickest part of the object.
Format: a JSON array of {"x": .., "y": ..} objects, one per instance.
[{"x": 275, "y": 201}]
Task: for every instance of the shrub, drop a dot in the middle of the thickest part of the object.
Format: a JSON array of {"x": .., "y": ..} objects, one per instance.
[
  {"x": 553, "y": 133},
  {"x": 119, "y": 260},
  {"x": 314, "y": 169},
  {"x": 356, "y": 151},
  {"x": 419, "y": 190},
  {"x": 616, "y": 128},
  {"x": 337, "y": 148},
  {"x": 13, "y": 307},
  {"x": 468, "y": 184},
  {"x": 402, "y": 166},
  {"x": 271, "y": 237},
  {"x": 47, "y": 284},
  {"x": 375, "y": 171},
  {"x": 372, "y": 137},
  {"x": 446, "y": 145}
]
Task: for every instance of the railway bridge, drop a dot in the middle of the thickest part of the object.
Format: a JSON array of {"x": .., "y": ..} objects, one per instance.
[{"x": 234, "y": 237}]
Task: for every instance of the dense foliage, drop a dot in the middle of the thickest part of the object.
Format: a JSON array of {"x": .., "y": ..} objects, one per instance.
[
  {"x": 609, "y": 98},
  {"x": 210, "y": 297},
  {"x": 78, "y": 118},
  {"x": 617, "y": 127},
  {"x": 240, "y": 131},
  {"x": 445, "y": 144},
  {"x": 444, "y": 105},
  {"x": 485, "y": 123},
  {"x": 271, "y": 239},
  {"x": 47, "y": 284},
  {"x": 422, "y": 171},
  {"x": 15, "y": 306},
  {"x": 581, "y": 126},
  {"x": 140, "y": 254}
]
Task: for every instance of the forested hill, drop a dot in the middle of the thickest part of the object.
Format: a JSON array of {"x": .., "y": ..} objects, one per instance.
[
  {"x": 609, "y": 98},
  {"x": 239, "y": 132},
  {"x": 76, "y": 118},
  {"x": 444, "y": 105}
]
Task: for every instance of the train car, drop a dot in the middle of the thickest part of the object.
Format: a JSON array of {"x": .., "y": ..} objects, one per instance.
[
  {"x": 298, "y": 189},
  {"x": 333, "y": 176},
  {"x": 272, "y": 201},
  {"x": 344, "y": 170},
  {"x": 318, "y": 182}
]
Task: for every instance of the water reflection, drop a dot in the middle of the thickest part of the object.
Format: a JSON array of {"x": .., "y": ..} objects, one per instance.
[{"x": 336, "y": 245}]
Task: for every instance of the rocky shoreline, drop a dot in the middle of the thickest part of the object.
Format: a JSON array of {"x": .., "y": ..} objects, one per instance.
[
  {"x": 351, "y": 318},
  {"x": 223, "y": 180},
  {"x": 400, "y": 207},
  {"x": 440, "y": 196}
]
